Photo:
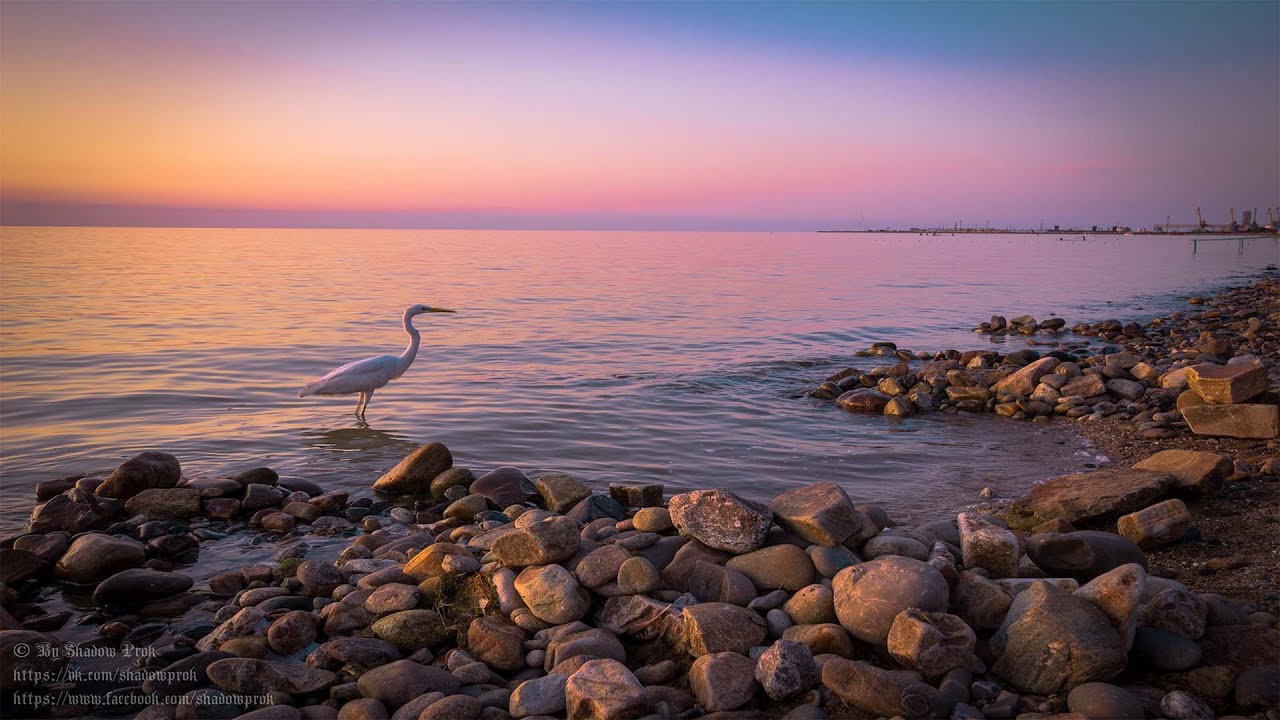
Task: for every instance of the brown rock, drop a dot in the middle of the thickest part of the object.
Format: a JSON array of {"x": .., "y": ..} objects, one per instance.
[
  {"x": 165, "y": 503},
  {"x": 604, "y": 690},
  {"x": 142, "y": 471},
  {"x": 552, "y": 540},
  {"x": 863, "y": 400},
  {"x": 981, "y": 603},
  {"x": 886, "y": 693},
  {"x": 496, "y": 641},
  {"x": 723, "y": 681},
  {"x": 1027, "y": 377},
  {"x": 1241, "y": 646},
  {"x": 868, "y": 597},
  {"x": 1094, "y": 495},
  {"x": 429, "y": 562},
  {"x": 413, "y": 474},
  {"x": 714, "y": 583},
  {"x": 93, "y": 557},
  {"x": 1118, "y": 593},
  {"x": 1193, "y": 471},
  {"x": 1238, "y": 421},
  {"x": 933, "y": 644},
  {"x": 552, "y": 594},
  {"x": 719, "y": 627},
  {"x": 560, "y": 492},
  {"x": 1227, "y": 384},
  {"x": 821, "y": 513},
  {"x": 822, "y": 639},
  {"x": 1161, "y": 524},
  {"x": 1052, "y": 641},
  {"x": 504, "y": 486},
  {"x": 777, "y": 566}
]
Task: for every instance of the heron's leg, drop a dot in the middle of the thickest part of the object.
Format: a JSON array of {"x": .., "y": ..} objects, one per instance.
[
  {"x": 360, "y": 405},
  {"x": 367, "y": 397}
]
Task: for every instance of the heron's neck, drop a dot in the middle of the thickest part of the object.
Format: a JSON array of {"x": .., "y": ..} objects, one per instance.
[{"x": 415, "y": 338}]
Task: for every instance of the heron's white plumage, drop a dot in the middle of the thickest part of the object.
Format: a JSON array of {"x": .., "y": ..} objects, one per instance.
[
  {"x": 365, "y": 376},
  {"x": 359, "y": 376}
]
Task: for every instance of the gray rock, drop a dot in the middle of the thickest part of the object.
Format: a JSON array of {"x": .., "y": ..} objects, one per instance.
[
  {"x": 786, "y": 669},
  {"x": 721, "y": 520},
  {"x": 1181, "y": 705},
  {"x": 1084, "y": 554},
  {"x": 1164, "y": 650}
]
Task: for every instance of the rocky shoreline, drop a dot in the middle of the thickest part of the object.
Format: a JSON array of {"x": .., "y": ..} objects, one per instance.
[{"x": 467, "y": 595}]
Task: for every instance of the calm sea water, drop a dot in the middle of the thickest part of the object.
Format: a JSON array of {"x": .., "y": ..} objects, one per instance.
[{"x": 615, "y": 356}]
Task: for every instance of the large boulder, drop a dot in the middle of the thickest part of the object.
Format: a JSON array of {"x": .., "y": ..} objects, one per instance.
[
  {"x": 177, "y": 502},
  {"x": 721, "y": 520},
  {"x": 1251, "y": 421},
  {"x": 821, "y": 513},
  {"x": 868, "y": 597},
  {"x": 553, "y": 540},
  {"x": 413, "y": 474},
  {"x": 1095, "y": 495},
  {"x": 1052, "y": 641},
  {"x": 139, "y": 585},
  {"x": 604, "y": 690},
  {"x": 140, "y": 472},
  {"x": 1194, "y": 471},
  {"x": 719, "y": 627},
  {"x": 1227, "y": 384},
  {"x": 93, "y": 557},
  {"x": 1083, "y": 555}
]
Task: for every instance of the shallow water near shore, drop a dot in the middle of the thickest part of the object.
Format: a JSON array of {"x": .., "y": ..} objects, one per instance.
[{"x": 680, "y": 358}]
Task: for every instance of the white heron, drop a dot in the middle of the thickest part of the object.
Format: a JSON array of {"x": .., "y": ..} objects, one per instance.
[{"x": 365, "y": 376}]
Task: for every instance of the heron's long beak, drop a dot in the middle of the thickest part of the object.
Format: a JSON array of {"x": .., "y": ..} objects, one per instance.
[{"x": 436, "y": 309}]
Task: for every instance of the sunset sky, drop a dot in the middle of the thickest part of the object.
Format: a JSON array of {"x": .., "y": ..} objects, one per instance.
[{"x": 716, "y": 116}]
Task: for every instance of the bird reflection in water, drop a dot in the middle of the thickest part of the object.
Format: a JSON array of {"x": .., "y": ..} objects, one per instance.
[{"x": 359, "y": 439}]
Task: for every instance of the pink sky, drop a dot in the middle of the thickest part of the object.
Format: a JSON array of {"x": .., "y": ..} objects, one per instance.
[{"x": 645, "y": 116}]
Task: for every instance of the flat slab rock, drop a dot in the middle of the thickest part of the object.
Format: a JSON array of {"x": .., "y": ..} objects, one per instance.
[
  {"x": 1227, "y": 384},
  {"x": 1095, "y": 495}
]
